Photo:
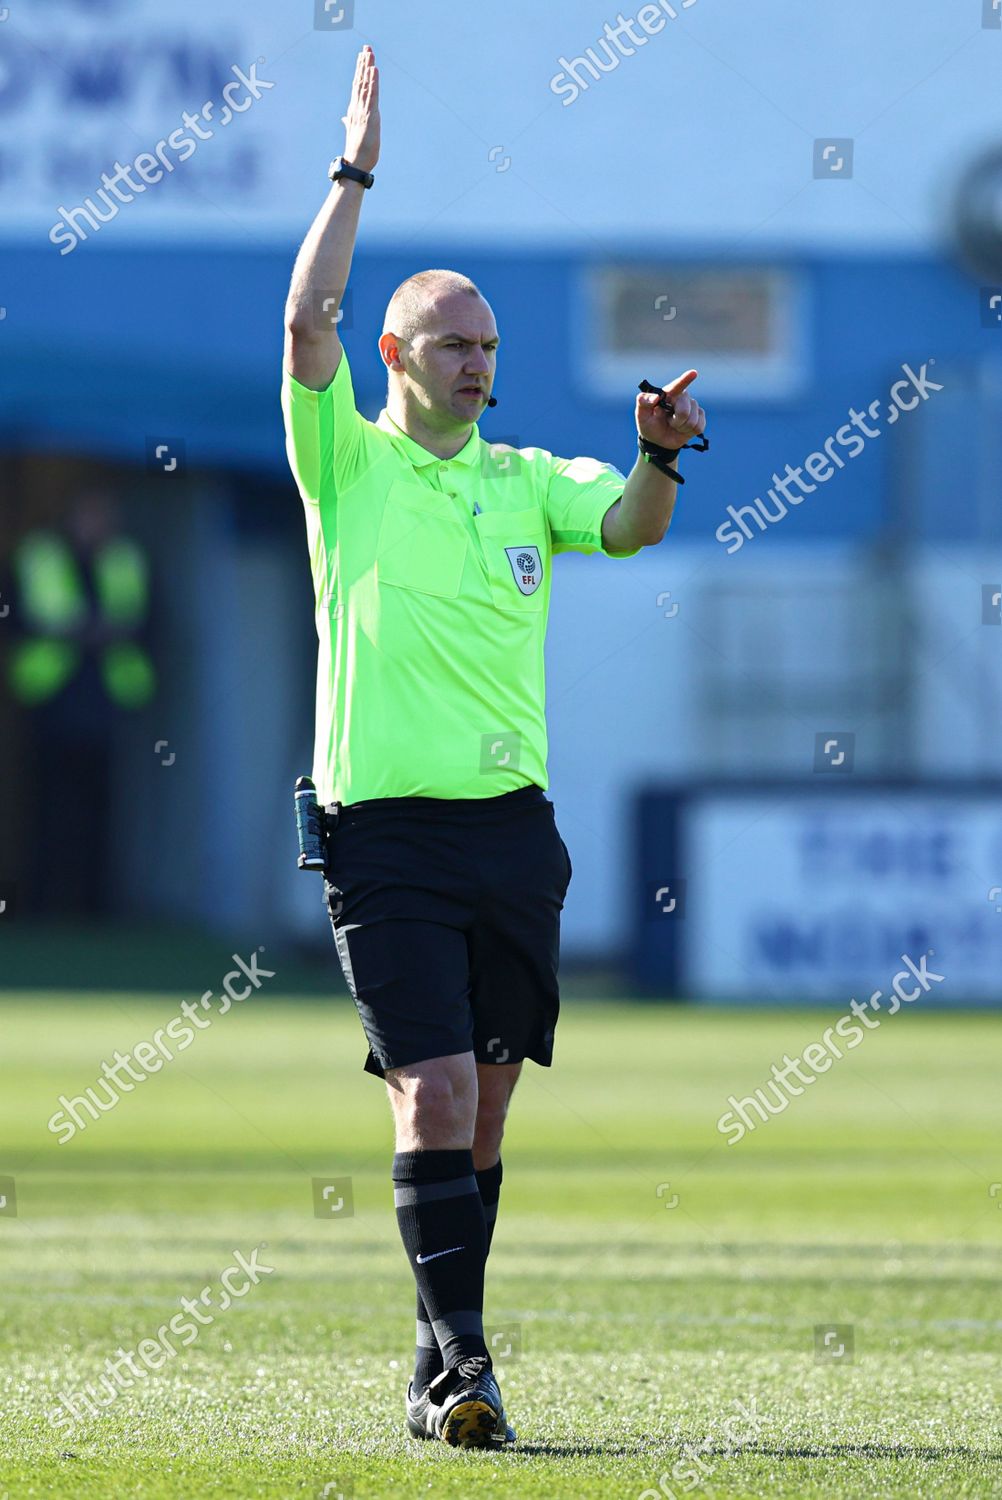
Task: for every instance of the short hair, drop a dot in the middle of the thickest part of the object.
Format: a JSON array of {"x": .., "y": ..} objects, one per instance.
[{"x": 407, "y": 308}]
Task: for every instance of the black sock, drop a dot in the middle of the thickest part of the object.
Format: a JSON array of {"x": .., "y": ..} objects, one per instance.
[
  {"x": 489, "y": 1183},
  {"x": 428, "y": 1360},
  {"x": 442, "y": 1225}
]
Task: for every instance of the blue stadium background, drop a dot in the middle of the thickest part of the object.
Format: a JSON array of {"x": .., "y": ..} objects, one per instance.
[{"x": 862, "y": 613}]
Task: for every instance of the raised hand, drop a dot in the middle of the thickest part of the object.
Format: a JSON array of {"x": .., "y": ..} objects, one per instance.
[
  {"x": 688, "y": 420},
  {"x": 361, "y": 123}
]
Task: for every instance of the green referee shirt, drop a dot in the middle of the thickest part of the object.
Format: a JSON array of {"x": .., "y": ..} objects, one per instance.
[{"x": 432, "y": 582}]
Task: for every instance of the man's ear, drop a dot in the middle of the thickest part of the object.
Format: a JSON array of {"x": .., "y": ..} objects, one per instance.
[{"x": 389, "y": 348}]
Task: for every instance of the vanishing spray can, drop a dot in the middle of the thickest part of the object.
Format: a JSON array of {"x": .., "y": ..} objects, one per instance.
[{"x": 309, "y": 826}]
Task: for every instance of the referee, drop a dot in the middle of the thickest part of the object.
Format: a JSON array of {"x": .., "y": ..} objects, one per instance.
[{"x": 431, "y": 558}]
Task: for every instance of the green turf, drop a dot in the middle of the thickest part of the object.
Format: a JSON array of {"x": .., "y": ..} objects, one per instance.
[{"x": 867, "y": 1203}]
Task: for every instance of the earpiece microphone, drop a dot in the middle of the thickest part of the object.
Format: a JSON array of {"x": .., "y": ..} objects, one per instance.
[{"x": 492, "y": 401}]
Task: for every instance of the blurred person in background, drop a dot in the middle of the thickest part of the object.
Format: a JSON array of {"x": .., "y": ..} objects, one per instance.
[{"x": 79, "y": 661}]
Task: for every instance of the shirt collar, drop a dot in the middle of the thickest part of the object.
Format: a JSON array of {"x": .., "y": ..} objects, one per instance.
[{"x": 420, "y": 457}]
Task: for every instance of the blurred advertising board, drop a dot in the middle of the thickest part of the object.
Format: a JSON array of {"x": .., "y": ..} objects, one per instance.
[
  {"x": 120, "y": 118},
  {"x": 783, "y": 893}
]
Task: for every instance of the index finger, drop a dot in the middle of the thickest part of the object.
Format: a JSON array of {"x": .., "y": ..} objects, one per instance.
[{"x": 678, "y": 386}]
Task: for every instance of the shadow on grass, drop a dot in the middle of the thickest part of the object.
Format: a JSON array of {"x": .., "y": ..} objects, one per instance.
[
  {"x": 851, "y": 1450},
  {"x": 805, "y": 1450},
  {"x": 576, "y": 1450}
]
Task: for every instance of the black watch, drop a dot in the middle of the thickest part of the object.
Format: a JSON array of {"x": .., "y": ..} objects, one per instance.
[{"x": 340, "y": 168}]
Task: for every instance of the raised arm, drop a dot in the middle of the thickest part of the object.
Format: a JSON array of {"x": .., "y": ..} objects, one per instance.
[{"x": 312, "y": 347}]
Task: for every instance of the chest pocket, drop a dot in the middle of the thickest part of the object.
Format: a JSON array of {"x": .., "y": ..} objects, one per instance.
[
  {"x": 421, "y": 545},
  {"x": 517, "y": 553}
]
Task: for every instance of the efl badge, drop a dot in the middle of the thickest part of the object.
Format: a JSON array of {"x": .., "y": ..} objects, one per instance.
[{"x": 526, "y": 566}]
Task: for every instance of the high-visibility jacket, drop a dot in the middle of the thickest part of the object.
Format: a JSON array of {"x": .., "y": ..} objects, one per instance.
[{"x": 55, "y": 607}]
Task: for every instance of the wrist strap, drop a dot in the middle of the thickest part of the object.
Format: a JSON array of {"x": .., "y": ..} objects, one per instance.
[{"x": 661, "y": 458}]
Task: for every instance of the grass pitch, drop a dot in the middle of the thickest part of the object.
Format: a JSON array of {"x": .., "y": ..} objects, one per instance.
[{"x": 672, "y": 1308}]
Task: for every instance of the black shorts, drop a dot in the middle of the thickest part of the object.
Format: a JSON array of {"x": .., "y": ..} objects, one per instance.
[{"x": 446, "y": 916}]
